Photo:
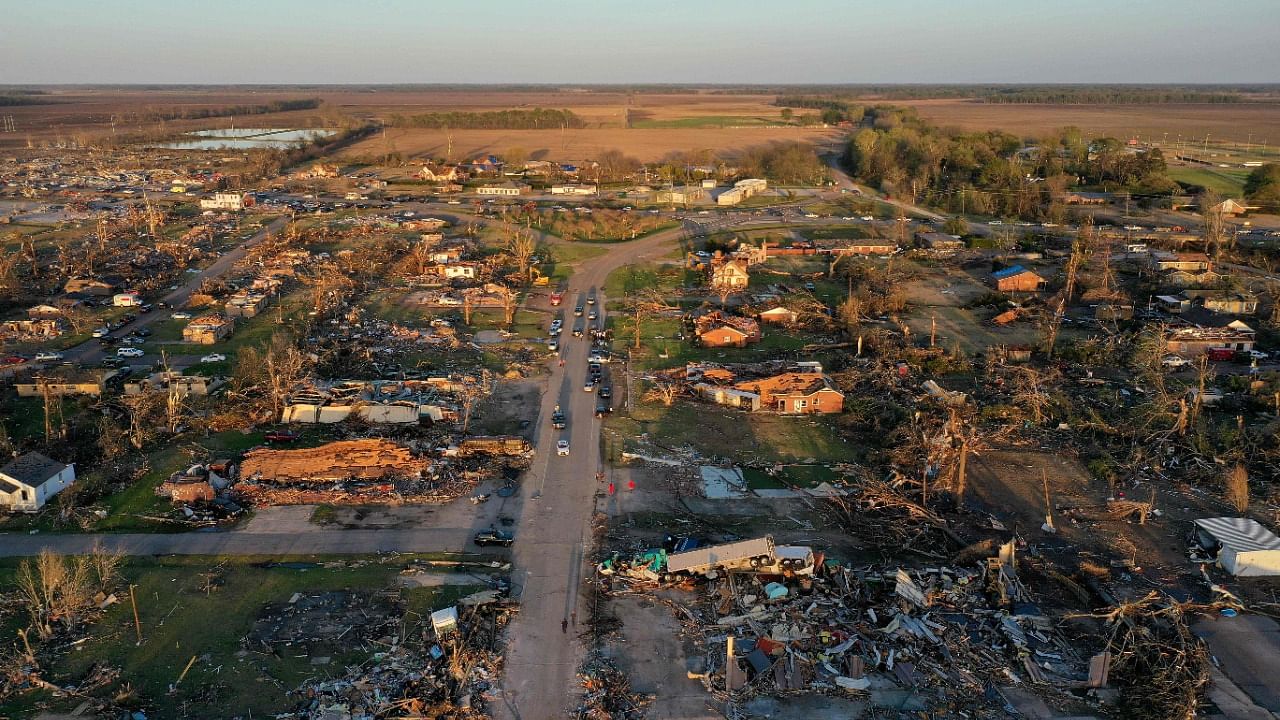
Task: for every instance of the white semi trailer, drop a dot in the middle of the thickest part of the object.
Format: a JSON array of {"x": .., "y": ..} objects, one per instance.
[{"x": 757, "y": 555}]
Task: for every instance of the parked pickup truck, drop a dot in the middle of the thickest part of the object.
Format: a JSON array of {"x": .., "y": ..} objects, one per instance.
[{"x": 757, "y": 555}]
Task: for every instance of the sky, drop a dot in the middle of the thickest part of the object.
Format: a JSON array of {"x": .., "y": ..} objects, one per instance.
[{"x": 639, "y": 41}]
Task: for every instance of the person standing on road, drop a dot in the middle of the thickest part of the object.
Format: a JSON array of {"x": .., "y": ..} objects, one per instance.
[{"x": 564, "y": 626}]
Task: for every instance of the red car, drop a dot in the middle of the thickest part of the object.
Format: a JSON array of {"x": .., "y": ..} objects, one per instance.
[
  {"x": 14, "y": 360},
  {"x": 281, "y": 436}
]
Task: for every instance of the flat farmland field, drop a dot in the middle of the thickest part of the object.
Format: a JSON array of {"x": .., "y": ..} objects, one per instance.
[
  {"x": 644, "y": 144},
  {"x": 1227, "y": 122}
]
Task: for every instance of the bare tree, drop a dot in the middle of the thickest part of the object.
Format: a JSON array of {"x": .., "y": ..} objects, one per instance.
[
  {"x": 1236, "y": 488},
  {"x": 521, "y": 245},
  {"x": 664, "y": 390},
  {"x": 285, "y": 366},
  {"x": 143, "y": 412},
  {"x": 644, "y": 305},
  {"x": 54, "y": 589}
]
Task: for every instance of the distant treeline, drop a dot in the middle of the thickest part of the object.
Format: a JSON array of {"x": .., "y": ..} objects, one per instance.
[
  {"x": 1109, "y": 96},
  {"x": 229, "y": 111},
  {"x": 533, "y": 119},
  {"x": 22, "y": 99}
]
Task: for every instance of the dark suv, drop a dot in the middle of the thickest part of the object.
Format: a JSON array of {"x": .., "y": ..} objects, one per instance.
[{"x": 485, "y": 538}]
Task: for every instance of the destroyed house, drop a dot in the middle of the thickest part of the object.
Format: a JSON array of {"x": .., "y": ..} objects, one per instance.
[
  {"x": 63, "y": 381},
  {"x": 1185, "y": 262},
  {"x": 43, "y": 329},
  {"x": 206, "y": 330},
  {"x": 1222, "y": 301},
  {"x": 803, "y": 393},
  {"x": 868, "y": 246},
  {"x": 366, "y": 460},
  {"x": 717, "y": 329},
  {"x": 380, "y": 402},
  {"x": 182, "y": 385},
  {"x": 1201, "y": 338},
  {"x": 938, "y": 241},
  {"x": 778, "y": 315},
  {"x": 245, "y": 304}
]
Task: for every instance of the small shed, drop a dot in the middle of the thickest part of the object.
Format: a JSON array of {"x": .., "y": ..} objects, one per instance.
[{"x": 1244, "y": 547}]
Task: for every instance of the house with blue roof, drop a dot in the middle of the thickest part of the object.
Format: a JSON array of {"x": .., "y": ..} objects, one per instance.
[{"x": 1017, "y": 279}]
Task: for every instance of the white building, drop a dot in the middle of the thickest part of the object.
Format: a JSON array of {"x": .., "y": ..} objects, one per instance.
[
  {"x": 508, "y": 190},
  {"x": 223, "y": 201},
  {"x": 573, "y": 189},
  {"x": 28, "y": 482},
  {"x": 742, "y": 190}
]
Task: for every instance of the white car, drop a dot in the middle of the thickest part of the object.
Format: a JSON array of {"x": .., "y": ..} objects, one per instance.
[
  {"x": 48, "y": 356},
  {"x": 213, "y": 357},
  {"x": 554, "y": 346},
  {"x": 598, "y": 357},
  {"x": 101, "y": 332},
  {"x": 181, "y": 315},
  {"x": 1174, "y": 361},
  {"x": 130, "y": 352},
  {"x": 868, "y": 218},
  {"x": 562, "y": 448},
  {"x": 1257, "y": 355}
]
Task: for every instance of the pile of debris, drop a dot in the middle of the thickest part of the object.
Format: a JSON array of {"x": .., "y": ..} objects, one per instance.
[
  {"x": 608, "y": 694},
  {"x": 369, "y": 470},
  {"x": 449, "y": 672},
  {"x": 939, "y": 639}
]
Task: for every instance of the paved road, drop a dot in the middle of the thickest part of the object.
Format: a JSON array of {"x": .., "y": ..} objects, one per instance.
[{"x": 555, "y": 525}]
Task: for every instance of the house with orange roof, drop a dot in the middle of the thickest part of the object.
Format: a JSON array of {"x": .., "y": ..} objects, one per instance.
[{"x": 796, "y": 393}]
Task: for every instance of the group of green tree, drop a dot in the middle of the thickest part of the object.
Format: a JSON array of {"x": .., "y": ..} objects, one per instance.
[
  {"x": 274, "y": 106},
  {"x": 1107, "y": 96},
  {"x": 532, "y": 119},
  {"x": 831, "y": 110},
  {"x": 784, "y": 163},
  {"x": 994, "y": 172},
  {"x": 1262, "y": 187}
]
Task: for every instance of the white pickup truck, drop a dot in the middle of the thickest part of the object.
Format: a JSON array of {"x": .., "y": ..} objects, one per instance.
[{"x": 757, "y": 555}]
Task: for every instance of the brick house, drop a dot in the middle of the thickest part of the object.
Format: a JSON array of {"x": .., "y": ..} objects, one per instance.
[{"x": 796, "y": 393}]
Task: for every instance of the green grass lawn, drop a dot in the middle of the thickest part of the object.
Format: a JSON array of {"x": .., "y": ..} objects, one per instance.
[
  {"x": 1228, "y": 182},
  {"x": 741, "y": 437},
  {"x": 630, "y": 279},
  {"x": 181, "y": 619}
]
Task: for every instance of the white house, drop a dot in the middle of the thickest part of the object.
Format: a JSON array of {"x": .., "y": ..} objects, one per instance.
[
  {"x": 28, "y": 482},
  {"x": 224, "y": 201}
]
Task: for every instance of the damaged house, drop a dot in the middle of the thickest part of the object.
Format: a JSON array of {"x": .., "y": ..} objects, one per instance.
[
  {"x": 371, "y": 470},
  {"x": 207, "y": 329},
  {"x": 375, "y": 401},
  {"x": 719, "y": 329},
  {"x": 802, "y": 393}
]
